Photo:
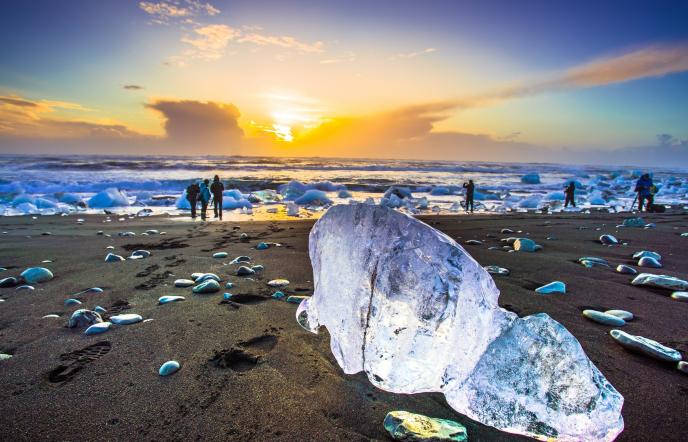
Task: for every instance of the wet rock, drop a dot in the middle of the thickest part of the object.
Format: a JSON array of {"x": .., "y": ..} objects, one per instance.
[
  {"x": 647, "y": 254},
  {"x": 257, "y": 268},
  {"x": 245, "y": 271},
  {"x": 647, "y": 261},
  {"x": 646, "y": 346},
  {"x": 168, "y": 368},
  {"x": 278, "y": 283},
  {"x": 262, "y": 246},
  {"x": 633, "y": 222},
  {"x": 8, "y": 282},
  {"x": 207, "y": 286},
  {"x": 100, "y": 309},
  {"x": 608, "y": 239},
  {"x": 552, "y": 287},
  {"x": 626, "y": 270},
  {"x": 141, "y": 253},
  {"x": 183, "y": 283},
  {"x": 524, "y": 245},
  {"x": 207, "y": 276},
  {"x": 660, "y": 281},
  {"x": 623, "y": 314},
  {"x": 83, "y": 318},
  {"x": 111, "y": 257},
  {"x": 604, "y": 318},
  {"x": 496, "y": 270},
  {"x": 98, "y": 328},
  {"x": 37, "y": 275},
  {"x": 680, "y": 296},
  {"x": 402, "y": 425},
  {"x": 168, "y": 299},
  {"x": 126, "y": 319}
]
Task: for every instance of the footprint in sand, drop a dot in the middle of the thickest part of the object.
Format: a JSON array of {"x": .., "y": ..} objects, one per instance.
[
  {"x": 76, "y": 361},
  {"x": 246, "y": 355}
]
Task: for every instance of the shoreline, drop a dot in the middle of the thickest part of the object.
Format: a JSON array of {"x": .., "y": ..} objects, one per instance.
[{"x": 296, "y": 390}]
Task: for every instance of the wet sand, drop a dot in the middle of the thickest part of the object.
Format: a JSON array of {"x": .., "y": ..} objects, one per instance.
[{"x": 289, "y": 386}]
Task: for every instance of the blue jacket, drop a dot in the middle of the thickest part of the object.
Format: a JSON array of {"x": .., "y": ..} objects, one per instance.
[
  {"x": 205, "y": 193},
  {"x": 642, "y": 186}
]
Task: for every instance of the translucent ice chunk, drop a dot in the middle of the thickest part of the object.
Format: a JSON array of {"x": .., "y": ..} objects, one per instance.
[{"x": 407, "y": 305}]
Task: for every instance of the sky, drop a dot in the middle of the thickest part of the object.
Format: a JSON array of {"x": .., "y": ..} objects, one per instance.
[{"x": 548, "y": 81}]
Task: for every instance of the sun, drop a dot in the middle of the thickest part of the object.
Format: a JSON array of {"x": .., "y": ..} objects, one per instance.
[{"x": 282, "y": 132}]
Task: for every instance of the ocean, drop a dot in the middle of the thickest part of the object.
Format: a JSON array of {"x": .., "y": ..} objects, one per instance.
[{"x": 48, "y": 185}]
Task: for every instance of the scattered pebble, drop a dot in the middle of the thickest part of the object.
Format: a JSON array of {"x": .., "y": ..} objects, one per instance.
[
  {"x": 604, "y": 318},
  {"x": 240, "y": 259},
  {"x": 8, "y": 282},
  {"x": 229, "y": 285},
  {"x": 647, "y": 253},
  {"x": 473, "y": 242},
  {"x": 623, "y": 314},
  {"x": 207, "y": 286},
  {"x": 406, "y": 426},
  {"x": 205, "y": 277},
  {"x": 220, "y": 255},
  {"x": 25, "y": 287},
  {"x": 83, "y": 318},
  {"x": 37, "y": 275},
  {"x": 111, "y": 257},
  {"x": 140, "y": 254},
  {"x": 245, "y": 271},
  {"x": 608, "y": 240},
  {"x": 680, "y": 296},
  {"x": 524, "y": 245},
  {"x": 71, "y": 301},
  {"x": 682, "y": 366},
  {"x": 126, "y": 319},
  {"x": 626, "y": 270},
  {"x": 661, "y": 281},
  {"x": 183, "y": 283},
  {"x": 51, "y": 316},
  {"x": 648, "y": 261},
  {"x": 506, "y": 231},
  {"x": 4, "y": 356},
  {"x": 262, "y": 246},
  {"x": 294, "y": 299},
  {"x": 646, "y": 346},
  {"x": 168, "y": 368},
  {"x": 496, "y": 270},
  {"x": 168, "y": 299},
  {"x": 98, "y": 328},
  {"x": 278, "y": 295},
  {"x": 278, "y": 283},
  {"x": 99, "y": 309},
  {"x": 552, "y": 287}
]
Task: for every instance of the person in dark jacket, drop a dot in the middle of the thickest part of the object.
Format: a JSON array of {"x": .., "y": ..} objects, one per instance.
[
  {"x": 570, "y": 192},
  {"x": 205, "y": 198},
  {"x": 470, "y": 193},
  {"x": 192, "y": 196},
  {"x": 216, "y": 189},
  {"x": 644, "y": 187}
]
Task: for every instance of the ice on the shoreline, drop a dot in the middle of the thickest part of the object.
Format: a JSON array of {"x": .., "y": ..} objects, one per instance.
[
  {"x": 406, "y": 304},
  {"x": 111, "y": 197}
]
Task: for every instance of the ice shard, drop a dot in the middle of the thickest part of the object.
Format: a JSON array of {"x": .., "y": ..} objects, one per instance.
[{"x": 410, "y": 307}]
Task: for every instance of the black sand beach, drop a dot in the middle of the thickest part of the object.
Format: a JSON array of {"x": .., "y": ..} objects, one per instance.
[{"x": 287, "y": 385}]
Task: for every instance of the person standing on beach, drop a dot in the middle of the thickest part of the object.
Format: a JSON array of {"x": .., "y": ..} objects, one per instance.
[
  {"x": 470, "y": 192},
  {"x": 205, "y": 198},
  {"x": 217, "y": 188},
  {"x": 570, "y": 192},
  {"x": 192, "y": 196},
  {"x": 644, "y": 187}
]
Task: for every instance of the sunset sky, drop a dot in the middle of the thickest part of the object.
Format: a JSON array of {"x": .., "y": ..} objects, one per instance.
[{"x": 481, "y": 80}]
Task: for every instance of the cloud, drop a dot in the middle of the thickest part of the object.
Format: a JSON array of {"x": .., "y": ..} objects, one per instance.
[
  {"x": 283, "y": 41},
  {"x": 210, "y": 41},
  {"x": 132, "y": 87},
  {"x": 651, "y": 62},
  {"x": 407, "y": 55},
  {"x": 164, "y": 10},
  {"x": 347, "y": 57},
  {"x": 168, "y": 12},
  {"x": 196, "y": 125}
]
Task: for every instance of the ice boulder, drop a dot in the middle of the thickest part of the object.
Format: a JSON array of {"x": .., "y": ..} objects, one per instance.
[
  {"x": 111, "y": 197},
  {"x": 409, "y": 306},
  {"x": 531, "y": 178},
  {"x": 313, "y": 197}
]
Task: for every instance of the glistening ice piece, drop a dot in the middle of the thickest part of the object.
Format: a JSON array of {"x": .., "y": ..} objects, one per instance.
[{"x": 407, "y": 304}]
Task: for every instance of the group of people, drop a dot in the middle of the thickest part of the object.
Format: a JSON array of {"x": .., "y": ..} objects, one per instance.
[{"x": 205, "y": 192}]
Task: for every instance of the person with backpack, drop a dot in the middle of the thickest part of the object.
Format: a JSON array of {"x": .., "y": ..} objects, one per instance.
[
  {"x": 216, "y": 188},
  {"x": 570, "y": 192},
  {"x": 644, "y": 187},
  {"x": 192, "y": 196},
  {"x": 205, "y": 198},
  {"x": 470, "y": 193}
]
